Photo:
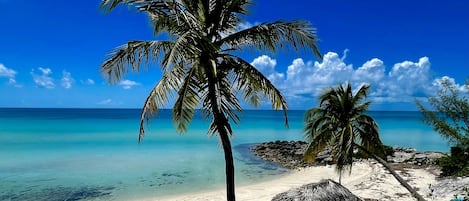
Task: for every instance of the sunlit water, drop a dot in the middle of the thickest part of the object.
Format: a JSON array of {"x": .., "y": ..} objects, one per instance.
[{"x": 93, "y": 154}]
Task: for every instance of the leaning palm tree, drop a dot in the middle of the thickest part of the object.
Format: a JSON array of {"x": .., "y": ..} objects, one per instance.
[
  {"x": 199, "y": 62},
  {"x": 340, "y": 123}
]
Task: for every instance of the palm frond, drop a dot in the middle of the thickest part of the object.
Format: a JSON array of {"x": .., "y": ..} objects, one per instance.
[
  {"x": 158, "y": 96},
  {"x": 252, "y": 82},
  {"x": 186, "y": 103},
  {"x": 274, "y": 36},
  {"x": 131, "y": 56},
  {"x": 182, "y": 50},
  {"x": 109, "y": 5}
]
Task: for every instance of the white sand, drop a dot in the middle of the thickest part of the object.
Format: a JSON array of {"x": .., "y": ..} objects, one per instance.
[{"x": 367, "y": 180}]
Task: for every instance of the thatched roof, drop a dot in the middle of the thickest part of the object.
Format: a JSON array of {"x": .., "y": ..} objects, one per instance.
[{"x": 325, "y": 190}]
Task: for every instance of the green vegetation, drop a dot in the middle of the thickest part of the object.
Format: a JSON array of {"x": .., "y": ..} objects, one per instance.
[
  {"x": 449, "y": 116},
  {"x": 199, "y": 63},
  {"x": 340, "y": 123},
  {"x": 457, "y": 164}
]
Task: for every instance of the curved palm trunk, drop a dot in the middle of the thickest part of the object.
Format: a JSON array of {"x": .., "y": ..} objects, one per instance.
[
  {"x": 229, "y": 167},
  {"x": 412, "y": 191},
  {"x": 221, "y": 121}
]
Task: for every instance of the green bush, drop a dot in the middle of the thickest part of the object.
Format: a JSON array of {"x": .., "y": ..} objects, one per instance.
[
  {"x": 388, "y": 150},
  {"x": 455, "y": 165}
]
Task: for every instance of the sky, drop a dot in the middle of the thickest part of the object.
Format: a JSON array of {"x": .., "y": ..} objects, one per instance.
[{"x": 51, "y": 51}]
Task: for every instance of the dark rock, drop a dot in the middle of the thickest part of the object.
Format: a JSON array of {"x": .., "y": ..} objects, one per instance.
[
  {"x": 289, "y": 154},
  {"x": 325, "y": 190}
]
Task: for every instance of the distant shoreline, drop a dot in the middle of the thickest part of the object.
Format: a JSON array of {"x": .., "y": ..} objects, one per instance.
[{"x": 138, "y": 108}]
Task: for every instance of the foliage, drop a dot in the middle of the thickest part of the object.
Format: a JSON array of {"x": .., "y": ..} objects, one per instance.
[
  {"x": 200, "y": 68},
  {"x": 450, "y": 118},
  {"x": 449, "y": 113},
  {"x": 340, "y": 122},
  {"x": 457, "y": 164}
]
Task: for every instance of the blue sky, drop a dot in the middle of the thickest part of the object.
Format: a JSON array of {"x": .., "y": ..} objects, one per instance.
[{"x": 50, "y": 51}]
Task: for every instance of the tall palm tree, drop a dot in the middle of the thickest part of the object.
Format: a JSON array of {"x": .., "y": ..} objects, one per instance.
[
  {"x": 199, "y": 62},
  {"x": 341, "y": 124}
]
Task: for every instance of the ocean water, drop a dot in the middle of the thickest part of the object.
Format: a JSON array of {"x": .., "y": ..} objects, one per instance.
[{"x": 93, "y": 154}]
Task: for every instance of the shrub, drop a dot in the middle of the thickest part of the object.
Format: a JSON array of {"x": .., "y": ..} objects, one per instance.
[{"x": 457, "y": 164}]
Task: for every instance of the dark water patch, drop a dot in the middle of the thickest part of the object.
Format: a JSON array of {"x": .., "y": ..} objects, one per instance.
[
  {"x": 158, "y": 179},
  {"x": 256, "y": 166},
  {"x": 60, "y": 194}
]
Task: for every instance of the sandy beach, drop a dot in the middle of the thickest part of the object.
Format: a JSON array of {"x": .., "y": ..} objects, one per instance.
[{"x": 367, "y": 180}]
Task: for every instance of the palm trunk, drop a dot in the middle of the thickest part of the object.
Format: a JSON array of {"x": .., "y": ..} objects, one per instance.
[
  {"x": 412, "y": 191},
  {"x": 221, "y": 121},
  {"x": 340, "y": 177},
  {"x": 229, "y": 166}
]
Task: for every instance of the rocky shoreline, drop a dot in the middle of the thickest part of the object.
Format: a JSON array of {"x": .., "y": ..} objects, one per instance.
[{"x": 289, "y": 155}]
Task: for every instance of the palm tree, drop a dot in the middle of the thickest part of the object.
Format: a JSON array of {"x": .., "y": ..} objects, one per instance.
[
  {"x": 199, "y": 62},
  {"x": 341, "y": 124}
]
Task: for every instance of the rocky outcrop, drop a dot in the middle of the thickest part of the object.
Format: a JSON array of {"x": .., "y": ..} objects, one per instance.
[
  {"x": 325, "y": 190},
  {"x": 414, "y": 157},
  {"x": 457, "y": 187},
  {"x": 289, "y": 154}
]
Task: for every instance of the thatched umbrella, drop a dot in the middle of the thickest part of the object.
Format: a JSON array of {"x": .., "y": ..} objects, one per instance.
[{"x": 325, "y": 190}]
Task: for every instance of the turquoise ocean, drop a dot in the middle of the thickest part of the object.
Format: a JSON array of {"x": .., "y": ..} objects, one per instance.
[{"x": 93, "y": 154}]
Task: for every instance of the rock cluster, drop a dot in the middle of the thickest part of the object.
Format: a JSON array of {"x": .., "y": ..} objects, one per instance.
[
  {"x": 289, "y": 154},
  {"x": 457, "y": 187},
  {"x": 414, "y": 157}
]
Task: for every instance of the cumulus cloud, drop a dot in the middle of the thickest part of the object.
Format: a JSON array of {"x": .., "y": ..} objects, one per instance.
[
  {"x": 128, "y": 84},
  {"x": 43, "y": 79},
  {"x": 266, "y": 65},
  {"x": 438, "y": 83},
  {"x": 67, "y": 80},
  {"x": 371, "y": 71},
  {"x": 305, "y": 79}
]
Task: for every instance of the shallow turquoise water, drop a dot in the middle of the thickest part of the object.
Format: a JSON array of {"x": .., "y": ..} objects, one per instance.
[{"x": 93, "y": 154}]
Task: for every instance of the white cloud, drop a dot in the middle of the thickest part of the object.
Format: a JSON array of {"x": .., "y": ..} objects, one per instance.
[
  {"x": 105, "y": 102},
  {"x": 371, "y": 71},
  {"x": 311, "y": 78},
  {"x": 87, "y": 81},
  {"x": 266, "y": 65},
  {"x": 438, "y": 82},
  {"x": 43, "y": 80},
  {"x": 128, "y": 84},
  {"x": 6, "y": 72},
  {"x": 10, "y": 74},
  {"x": 304, "y": 80},
  {"x": 67, "y": 80}
]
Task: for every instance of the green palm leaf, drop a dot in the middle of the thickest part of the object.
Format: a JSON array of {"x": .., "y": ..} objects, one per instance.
[{"x": 197, "y": 64}]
